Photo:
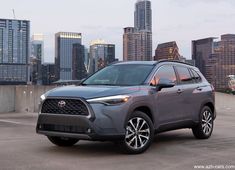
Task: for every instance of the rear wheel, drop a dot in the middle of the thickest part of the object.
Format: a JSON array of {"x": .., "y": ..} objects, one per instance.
[
  {"x": 139, "y": 133},
  {"x": 62, "y": 141},
  {"x": 205, "y": 126}
]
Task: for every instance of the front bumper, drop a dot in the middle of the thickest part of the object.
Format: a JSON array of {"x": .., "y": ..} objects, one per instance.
[{"x": 107, "y": 123}]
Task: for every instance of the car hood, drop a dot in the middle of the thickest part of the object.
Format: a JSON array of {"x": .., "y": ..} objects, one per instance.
[{"x": 89, "y": 92}]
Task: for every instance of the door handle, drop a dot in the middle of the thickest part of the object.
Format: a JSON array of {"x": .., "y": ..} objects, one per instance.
[
  {"x": 179, "y": 91},
  {"x": 199, "y": 88}
]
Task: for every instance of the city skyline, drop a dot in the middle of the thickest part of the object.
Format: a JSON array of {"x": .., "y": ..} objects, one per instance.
[{"x": 203, "y": 19}]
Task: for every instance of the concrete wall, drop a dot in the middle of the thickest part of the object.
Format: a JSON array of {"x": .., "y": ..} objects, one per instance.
[
  {"x": 7, "y": 99},
  {"x": 21, "y": 98}
]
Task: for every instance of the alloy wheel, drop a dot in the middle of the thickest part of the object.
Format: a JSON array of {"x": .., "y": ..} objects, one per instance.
[
  {"x": 207, "y": 122},
  {"x": 137, "y": 133}
]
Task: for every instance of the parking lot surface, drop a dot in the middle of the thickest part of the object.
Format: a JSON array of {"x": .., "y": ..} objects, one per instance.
[{"x": 22, "y": 149}]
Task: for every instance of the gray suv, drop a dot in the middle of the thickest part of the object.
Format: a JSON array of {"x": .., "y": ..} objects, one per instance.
[{"x": 129, "y": 102}]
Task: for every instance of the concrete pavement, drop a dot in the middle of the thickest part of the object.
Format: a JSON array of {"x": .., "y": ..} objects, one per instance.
[{"x": 22, "y": 149}]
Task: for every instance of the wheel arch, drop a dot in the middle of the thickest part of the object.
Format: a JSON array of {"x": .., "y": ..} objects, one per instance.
[
  {"x": 211, "y": 105},
  {"x": 143, "y": 107}
]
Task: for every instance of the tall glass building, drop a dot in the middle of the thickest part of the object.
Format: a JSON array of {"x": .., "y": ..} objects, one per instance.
[
  {"x": 36, "y": 59},
  {"x": 14, "y": 51},
  {"x": 64, "y": 53},
  {"x": 137, "y": 40},
  {"x": 143, "y": 15},
  {"x": 101, "y": 54}
]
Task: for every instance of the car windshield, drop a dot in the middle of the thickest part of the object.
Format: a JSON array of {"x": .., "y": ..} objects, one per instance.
[{"x": 120, "y": 75}]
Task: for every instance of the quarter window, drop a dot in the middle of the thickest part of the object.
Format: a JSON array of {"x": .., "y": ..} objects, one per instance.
[{"x": 196, "y": 76}]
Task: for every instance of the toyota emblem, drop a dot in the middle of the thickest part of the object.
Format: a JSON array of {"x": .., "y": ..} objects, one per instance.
[{"x": 61, "y": 103}]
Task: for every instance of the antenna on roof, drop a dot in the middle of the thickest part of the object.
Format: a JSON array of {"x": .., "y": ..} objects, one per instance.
[{"x": 14, "y": 13}]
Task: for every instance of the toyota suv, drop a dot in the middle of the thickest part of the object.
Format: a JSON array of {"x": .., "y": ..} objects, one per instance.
[{"x": 129, "y": 102}]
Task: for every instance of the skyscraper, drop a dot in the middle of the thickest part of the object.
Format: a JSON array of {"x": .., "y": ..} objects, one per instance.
[
  {"x": 143, "y": 16},
  {"x": 48, "y": 73},
  {"x": 36, "y": 59},
  {"x": 79, "y": 71},
  {"x": 137, "y": 40},
  {"x": 14, "y": 51},
  {"x": 201, "y": 52},
  {"x": 64, "y": 53},
  {"x": 216, "y": 59},
  {"x": 168, "y": 51},
  {"x": 101, "y": 54}
]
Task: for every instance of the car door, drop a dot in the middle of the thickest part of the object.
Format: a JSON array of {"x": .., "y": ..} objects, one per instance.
[
  {"x": 166, "y": 100},
  {"x": 186, "y": 100}
]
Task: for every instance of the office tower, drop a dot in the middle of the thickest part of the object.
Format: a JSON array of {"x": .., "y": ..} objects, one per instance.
[
  {"x": 201, "y": 52},
  {"x": 101, "y": 54},
  {"x": 216, "y": 59},
  {"x": 137, "y": 40},
  {"x": 14, "y": 51},
  {"x": 168, "y": 50},
  {"x": 79, "y": 71},
  {"x": 63, "y": 53},
  {"x": 143, "y": 16},
  {"x": 48, "y": 73},
  {"x": 225, "y": 65},
  {"x": 36, "y": 59}
]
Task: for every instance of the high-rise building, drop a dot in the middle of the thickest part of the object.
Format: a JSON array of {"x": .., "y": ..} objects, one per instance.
[
  {"x": 169, "y": 51},
  {"x": 36, "y": 59},
  {"x": 48, "y": 73},
  {"x": 137, "y": 40},
  {"x": 201, "y": 51},
  {"x": 101, "y": 54},
  {"x": 79, "y": 71},
  {"x": 216, "y": 59},
  {"x": 14, "y": 51},
  {"x": 64, "y": 53},
  {"x": 143, "y": 15}
]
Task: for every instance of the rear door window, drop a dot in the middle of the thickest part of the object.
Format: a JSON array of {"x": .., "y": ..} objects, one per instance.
[{"x": 184, "y": 75}]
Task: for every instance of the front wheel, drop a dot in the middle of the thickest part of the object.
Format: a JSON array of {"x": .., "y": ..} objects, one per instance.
[
  {"x": 139, "y": 133},
  {"x": 62, "y": 141},
  {"x": 205, "y": 126}
]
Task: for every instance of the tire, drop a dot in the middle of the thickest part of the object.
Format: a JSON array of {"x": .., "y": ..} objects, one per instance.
[
  {"x": 205, "y": 126},
  {"x": 139, "y": 134},
  {"x": 61, "y": 141}
]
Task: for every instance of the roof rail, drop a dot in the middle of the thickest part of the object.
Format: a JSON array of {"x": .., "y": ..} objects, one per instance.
[{"x": 175, "y": 61}]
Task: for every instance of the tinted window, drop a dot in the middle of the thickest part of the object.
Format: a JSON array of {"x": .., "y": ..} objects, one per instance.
[
  {"x": 120, "y": 75},
  {"x": 196, "y": 76},
  {"x": 164, "y": 72},
  {"x": 184, "y": 75}
]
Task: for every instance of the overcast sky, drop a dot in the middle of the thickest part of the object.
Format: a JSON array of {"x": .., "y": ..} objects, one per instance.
[{"x": 179, "y": 20}]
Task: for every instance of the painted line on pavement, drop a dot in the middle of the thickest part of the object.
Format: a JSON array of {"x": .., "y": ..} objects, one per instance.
[{"x": 14, "y": 122}]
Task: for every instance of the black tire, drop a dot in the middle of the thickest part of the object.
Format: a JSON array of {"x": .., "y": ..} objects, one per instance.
[
  {"x": 200, "y": 131},
  {"x": 62, "y": 141},
  {"x": 144, "y": 134}
]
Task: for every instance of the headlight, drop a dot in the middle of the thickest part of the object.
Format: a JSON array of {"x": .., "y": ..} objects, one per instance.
[
  {"x": 42, "y": 98},
  {"x": 110, "y": 100}
]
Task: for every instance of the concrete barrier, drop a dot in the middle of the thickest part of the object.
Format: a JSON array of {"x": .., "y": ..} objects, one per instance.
[
  {"x": 7, "y": 99},
  {"x": 21, "y": 99}
]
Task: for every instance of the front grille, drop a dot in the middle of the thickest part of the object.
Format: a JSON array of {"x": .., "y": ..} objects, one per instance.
[
  {"x": 69, "y": 107},
  {"x": 62, "y": 128}
]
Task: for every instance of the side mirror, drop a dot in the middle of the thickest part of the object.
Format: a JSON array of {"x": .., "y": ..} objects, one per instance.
[{"x": 164, "y": 83}]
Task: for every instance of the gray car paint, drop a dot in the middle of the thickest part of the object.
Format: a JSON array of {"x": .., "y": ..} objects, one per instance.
[{"x": 169, "y": 109}]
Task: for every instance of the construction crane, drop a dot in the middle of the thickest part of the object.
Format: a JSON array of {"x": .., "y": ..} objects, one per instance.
[{"x": 14, "y": 13}]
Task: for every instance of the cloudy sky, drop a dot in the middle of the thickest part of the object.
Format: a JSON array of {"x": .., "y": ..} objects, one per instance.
[{"x": 179, "y": 20}]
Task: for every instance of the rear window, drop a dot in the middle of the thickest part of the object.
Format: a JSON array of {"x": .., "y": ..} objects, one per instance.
[{"x": 184, "y": 75}]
